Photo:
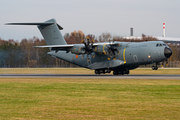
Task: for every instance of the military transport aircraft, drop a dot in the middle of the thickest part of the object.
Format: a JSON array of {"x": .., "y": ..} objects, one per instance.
[{"x": 119, "y": 57}]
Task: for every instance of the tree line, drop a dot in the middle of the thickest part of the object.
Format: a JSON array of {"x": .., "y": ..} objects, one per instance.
[{"x": 23, "y": 54}]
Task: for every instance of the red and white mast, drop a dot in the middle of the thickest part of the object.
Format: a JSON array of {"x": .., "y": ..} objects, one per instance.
[{"x": 163, "y": 29}]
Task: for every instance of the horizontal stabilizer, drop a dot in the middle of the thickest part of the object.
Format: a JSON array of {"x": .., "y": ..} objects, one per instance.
[
  {"x": 29, "y": 24},
  {"x": 106, "y": 64},
  {"x": 41, "y": 24}
]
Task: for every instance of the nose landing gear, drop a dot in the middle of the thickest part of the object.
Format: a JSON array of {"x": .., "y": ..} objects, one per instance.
[{"x": 155, "y": 67}]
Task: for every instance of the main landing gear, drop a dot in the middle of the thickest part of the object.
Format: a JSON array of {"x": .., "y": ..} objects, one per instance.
[
  {"x": 121, "y": 72},
  {"x": 115, "y": 72},
  {"x": 102, "y": 71}
]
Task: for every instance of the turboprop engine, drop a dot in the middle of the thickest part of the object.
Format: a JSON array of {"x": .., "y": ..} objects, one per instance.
[
  {"x": 101, "y": 49},
  {"x": 107, "y": 49},
  {"x": 76, "y": 49}
]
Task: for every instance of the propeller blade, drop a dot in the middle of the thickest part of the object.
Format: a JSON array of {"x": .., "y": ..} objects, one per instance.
[
  {"x": 92, "y": 43},
  {"x": 82, "y": 41},
  {"x": 166, "y": 62},
  {"x": 114, "y": 39},
  {"x": 87, "y": 40},
  {"x": 114, "y": 54},
  {"x": 118, "y": 52},
  {"x": 162, "y": 65}
]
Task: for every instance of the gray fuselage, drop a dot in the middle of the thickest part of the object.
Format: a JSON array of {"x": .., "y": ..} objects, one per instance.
[{"x": 132, "y": 54}]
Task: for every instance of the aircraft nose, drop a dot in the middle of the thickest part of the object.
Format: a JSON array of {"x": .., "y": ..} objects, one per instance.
[{"x": 167, "y": 52}]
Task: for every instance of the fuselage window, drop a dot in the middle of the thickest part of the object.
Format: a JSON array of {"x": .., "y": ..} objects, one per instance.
[{"x": 157, "y": 45}]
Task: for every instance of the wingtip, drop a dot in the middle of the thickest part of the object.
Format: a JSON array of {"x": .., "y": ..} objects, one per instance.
[{"x": 6, "y": 24}]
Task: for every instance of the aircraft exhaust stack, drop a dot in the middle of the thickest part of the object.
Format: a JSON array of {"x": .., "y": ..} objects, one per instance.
[{"x": 163, "y": 29}]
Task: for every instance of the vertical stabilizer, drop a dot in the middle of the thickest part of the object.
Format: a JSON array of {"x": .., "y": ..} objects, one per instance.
[
  {"x": 50, "y": 30},
  {"x": 51, "y": 33}
]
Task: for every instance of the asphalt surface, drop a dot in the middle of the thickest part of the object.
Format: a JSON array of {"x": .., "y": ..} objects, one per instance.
[{"x": 104, "y": 76}]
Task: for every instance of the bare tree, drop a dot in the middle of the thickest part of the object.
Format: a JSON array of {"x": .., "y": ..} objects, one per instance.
[{"x": 106, "y": 36}]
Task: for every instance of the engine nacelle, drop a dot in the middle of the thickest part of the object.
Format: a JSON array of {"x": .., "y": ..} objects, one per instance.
[
  {"x": 101, "y": 49},
  {"x": 77, "y": 50}
]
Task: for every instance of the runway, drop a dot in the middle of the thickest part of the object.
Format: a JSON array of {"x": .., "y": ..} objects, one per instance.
[{"x": 88, "y": 76}]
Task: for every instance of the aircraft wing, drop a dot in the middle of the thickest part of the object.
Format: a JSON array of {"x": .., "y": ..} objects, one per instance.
[
  {"x": 106, "y": 64},
  {"x": 56, "y": 47},
  {"x": 69, "y": 46},
  {"x": 62, "y": 47},
  {"x": 169, "y": 39}
]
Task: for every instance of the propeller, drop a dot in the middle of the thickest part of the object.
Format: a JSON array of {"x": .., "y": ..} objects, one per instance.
[
  {"x": 165, "y": 62},
  {"x": 88, "y": 47},
  {"x": 112, "y": 49}
]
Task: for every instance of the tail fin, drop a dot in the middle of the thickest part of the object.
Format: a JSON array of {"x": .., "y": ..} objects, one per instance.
[
  {"x": 50, "y": 30},
  {"x": 51, "y": 33}
]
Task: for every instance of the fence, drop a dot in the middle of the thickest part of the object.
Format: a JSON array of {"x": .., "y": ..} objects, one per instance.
[{"x": 171, "y": 64}]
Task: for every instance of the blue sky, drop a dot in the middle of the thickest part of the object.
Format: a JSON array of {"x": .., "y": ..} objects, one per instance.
[{"x": 91, "y": 16}]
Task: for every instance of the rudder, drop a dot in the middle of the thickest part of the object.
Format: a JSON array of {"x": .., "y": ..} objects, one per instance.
[{"x": 51, "y": 33}]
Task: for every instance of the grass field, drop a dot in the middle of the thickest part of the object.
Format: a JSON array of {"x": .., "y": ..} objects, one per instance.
[
  {"x": 80, "y": 71},
  {"x": 40, "y": 98}
]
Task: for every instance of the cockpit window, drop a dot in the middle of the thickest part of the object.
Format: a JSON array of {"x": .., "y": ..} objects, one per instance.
[
  {"x": 160, "y": 45},
  {"x": 164, "y": 44}
]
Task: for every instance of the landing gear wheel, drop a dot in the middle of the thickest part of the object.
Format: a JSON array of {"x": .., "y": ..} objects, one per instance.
[
  {"x": 109, "y": 71},
  {"x": 126, "y": 71},
  {"x": 115, "y": 73},
  {"x": 154, "y": 67},
  {"x": 97, "y": 72},
  {"x": 102, "y": 71},
  {"x": 121, "y": 72}
]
